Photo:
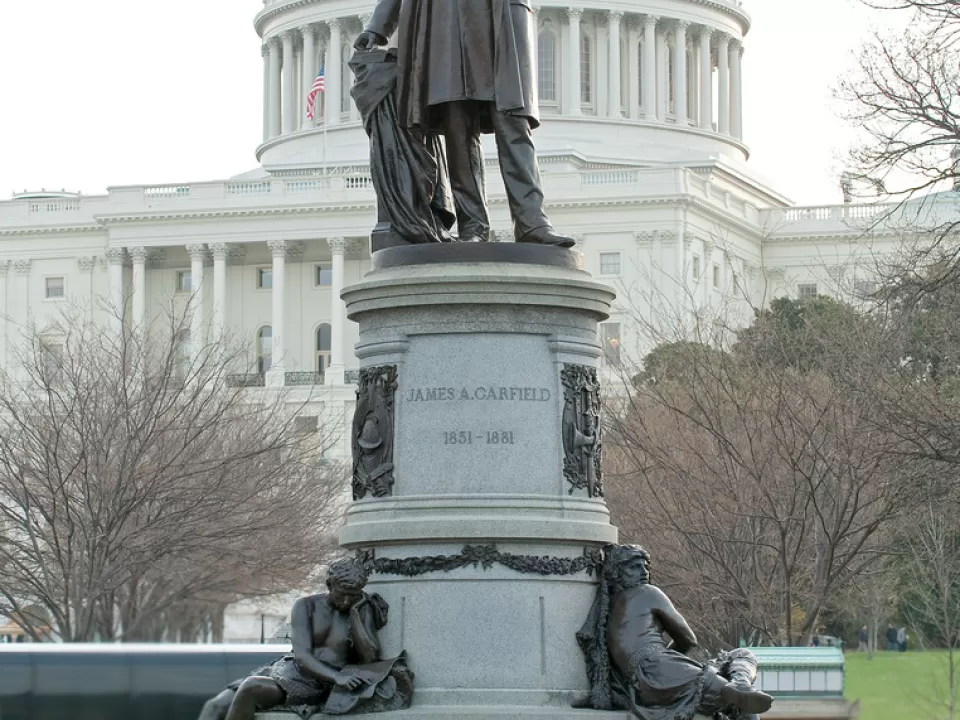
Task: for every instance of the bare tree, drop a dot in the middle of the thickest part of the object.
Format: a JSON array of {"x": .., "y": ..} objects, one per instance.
[
  {"x": 135, "y": 482},
  {"x": 755, "y": 479}
]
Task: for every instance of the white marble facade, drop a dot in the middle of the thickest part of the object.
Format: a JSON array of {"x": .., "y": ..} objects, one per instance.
[{"x": 643, "y": 158}]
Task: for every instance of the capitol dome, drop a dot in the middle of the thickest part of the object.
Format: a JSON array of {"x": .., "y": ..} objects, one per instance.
[{"x": 668, "y": 91}]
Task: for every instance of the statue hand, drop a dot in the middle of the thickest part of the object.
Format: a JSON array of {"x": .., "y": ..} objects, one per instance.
[
  {"x": 349, "y": 682},
  {"x": 368, "y": 40}
]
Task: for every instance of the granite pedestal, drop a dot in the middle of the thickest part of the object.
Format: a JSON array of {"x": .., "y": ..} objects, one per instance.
[{"x": 479, "y": 336}]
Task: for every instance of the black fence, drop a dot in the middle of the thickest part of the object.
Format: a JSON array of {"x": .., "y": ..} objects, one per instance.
[{"x": 120, "y": 682}]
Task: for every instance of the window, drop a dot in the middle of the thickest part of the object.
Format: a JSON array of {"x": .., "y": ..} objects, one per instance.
[
  {"x": 696, "y": 267},
  {"x": 52, "y": 356},
  {"x": 547, "y": 66},
  {"x": 264, "y": 278},
  {"x": 670, "y": 97},
  {"x": 324, "y": 344},
  {"x": 305, "y": 424},
  {"x": 864, "y": 289},
  {"x": 807, "y": 291},
  {"x": 609, "y": 263},
  {"x": 184, "y": 283},
  {"x": 324, "y": 276},
  {"x": 586, "y": 66},
  {"x": 264, "y": 349},
  {"x": 610, "y": 340},
  {"x": 716, "y": 277},
  {"x": 55, "y": 287}
]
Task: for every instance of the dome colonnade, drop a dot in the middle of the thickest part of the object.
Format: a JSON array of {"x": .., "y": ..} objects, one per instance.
[{"x": 676, "y": 62}]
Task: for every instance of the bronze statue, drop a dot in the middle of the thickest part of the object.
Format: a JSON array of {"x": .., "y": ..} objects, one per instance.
[
  {"x": 373, "y": 432},
  {"x": 582, "y": 434},
  {"x": 336, "y": 666},
  {"x": 631, "y": 668},
  {"x": 466, "y": 67}
]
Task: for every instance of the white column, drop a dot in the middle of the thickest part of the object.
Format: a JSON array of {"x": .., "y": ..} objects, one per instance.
[
  {"x": 573, "y": 61},
  {"x": 289, "y": 114},
  {"x": 139, "y": 256},
  {"x": 633, "y": 71},
  {"x": 332, "y": 91},
  {"x": 706, "y": 80},
  {"x": 338, "y": 314},
  {"x": 736, "y": 89},
  {"x": 650, "y": 67},
  {"x": 275, "y": 376},
  {"x": 680, "y": 71},
  {"x": 723, "y": 91},
  {"x": 309, "y": 72},
  {"x": 115, "y": 277},
  {"x": 197, "y": 253},
  {"x": 613, "y": 72},
  {"x": 265, "y": 52},
  {"x": 364, "y": 19},
  {"x": 219, "y": 251},
  {"x": 5, "y": 297},
  {"x": 274, "y": 88}
]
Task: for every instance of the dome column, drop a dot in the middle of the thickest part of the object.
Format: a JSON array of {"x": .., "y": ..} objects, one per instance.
[
  {"x": 338, "y": 313},
  {"x": 736, "y": 89},
  {"x": 275, "y": 376},
  {"x": 680, "y": 71},
  {"x": 197, "y": 254},
  {"x": 332, "y": 72},
  {"x": 309, "y": 70},
  {"x": 288, "y": 114},
  {"x": 613, "y": 72},
  {"x": 633, "y": 71},
  {"x": 650, "y": 67},
  {"x": 723, "y": 70},
  {"x": 273, "y": 89},
  {"x": 573, "y": 61},
  {"x": 706, "y": 80}
]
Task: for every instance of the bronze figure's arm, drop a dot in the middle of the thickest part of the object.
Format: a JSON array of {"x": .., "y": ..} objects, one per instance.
[
  {"x": 674, "y": 624},
  {"x": 364, "y": 633},
  {"x": 301, "y": 637},
  {"x": 382, "y": 24}
]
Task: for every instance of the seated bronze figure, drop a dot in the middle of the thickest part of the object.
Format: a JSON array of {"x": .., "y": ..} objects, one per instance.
[
  {"x": 336, "y": 666},
  {"x": 630, "y": 667}
]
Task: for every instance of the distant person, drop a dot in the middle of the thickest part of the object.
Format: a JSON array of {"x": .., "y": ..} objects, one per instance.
[
  {"x": 891, "y": 637},
  {"x": 863, "y": 639},
  {"x": 902, "y": 639}
]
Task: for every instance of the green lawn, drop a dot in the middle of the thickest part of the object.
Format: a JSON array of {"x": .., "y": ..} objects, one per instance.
[{"x": 896, "y": 686}]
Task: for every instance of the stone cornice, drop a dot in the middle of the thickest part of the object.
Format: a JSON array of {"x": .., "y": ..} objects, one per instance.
[
  {"x": 49, "y": 230},
  {"x": 269, "y": 13}
]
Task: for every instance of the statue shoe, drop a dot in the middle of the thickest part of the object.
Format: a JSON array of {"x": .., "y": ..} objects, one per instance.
[
  {"x": 546, "y": 235},
  {"x": 748, "y": 699}
]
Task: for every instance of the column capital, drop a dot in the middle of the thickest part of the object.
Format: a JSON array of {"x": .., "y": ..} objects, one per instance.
[
  {"x": 335, "y": 24},
  {"x": 21, "y": 267},
  {"x": 338, "y": 245},
  {"x": 114, "y": 256},
  {"x": 723, "y": 38},
  {"x": 288, "y": 36},
  {"x": 364, "y": 19},
  {"x": 615, "y": 16},
  {"x": 278, "y": 248},
  {"x": 574, "y": 13},
  {"x": 308, "y": 29},
  {"x": 651, "y": 20},
  {"x": 197, "y": 251},
  {"x": 219, "y": 250},
  {"x": 705, "y": 32},
  {"x": 4, "y": 266},
  {"x": 683, "y": 25},
  {"x": 139, "y": 254}
]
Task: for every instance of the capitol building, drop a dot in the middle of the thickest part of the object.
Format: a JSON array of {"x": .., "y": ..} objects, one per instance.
[{"x": 644, "y": 159}]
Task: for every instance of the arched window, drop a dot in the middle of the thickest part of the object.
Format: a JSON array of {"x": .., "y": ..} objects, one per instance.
[
  {"x": 324, "y": 345},
  {"x": 264, "y": 349},
  {"x": 670, "y": 86},
  {"x": 346, "y": 78},
  {"x": 586, "y": 68},
  {"x": 547, "y": 66}
]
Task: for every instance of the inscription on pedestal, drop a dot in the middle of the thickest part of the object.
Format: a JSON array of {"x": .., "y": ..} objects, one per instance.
[{"x": 475, "y": 415}]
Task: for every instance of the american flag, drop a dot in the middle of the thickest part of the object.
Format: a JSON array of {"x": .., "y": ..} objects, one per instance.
[{"x": 317, "y": 88}]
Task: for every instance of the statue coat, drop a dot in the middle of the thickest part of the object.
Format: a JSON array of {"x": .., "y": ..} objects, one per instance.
[{"x": 452, "y": 50}]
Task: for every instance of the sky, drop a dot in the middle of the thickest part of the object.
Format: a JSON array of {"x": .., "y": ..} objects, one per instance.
[{"x": 116, "y": 92}]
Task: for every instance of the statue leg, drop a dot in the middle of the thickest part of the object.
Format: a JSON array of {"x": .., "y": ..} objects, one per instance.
[
  {"x": 465, "y": 167},
  {"x": 216, "y": 708},
  {"x": 255, "y": 693},
  {"x": 521, "y": 178}
]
